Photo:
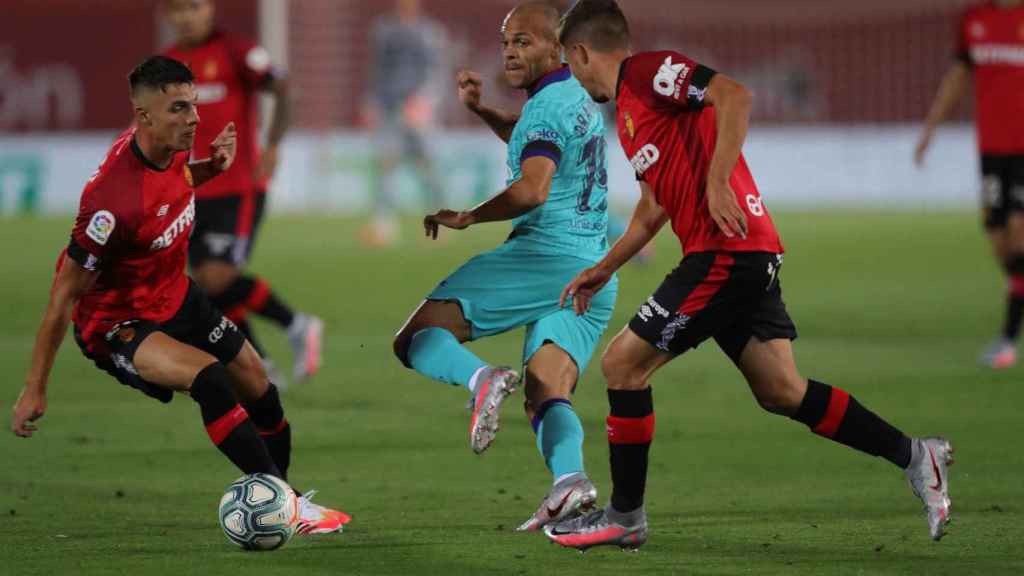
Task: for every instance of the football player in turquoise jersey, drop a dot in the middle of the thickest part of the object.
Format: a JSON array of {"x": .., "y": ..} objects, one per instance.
[{"x": 557, "y": 202}]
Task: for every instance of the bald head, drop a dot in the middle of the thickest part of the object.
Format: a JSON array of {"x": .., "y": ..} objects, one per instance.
[
  {"x": 529, "y": 40},
  {"x": 538, "y": 16}
]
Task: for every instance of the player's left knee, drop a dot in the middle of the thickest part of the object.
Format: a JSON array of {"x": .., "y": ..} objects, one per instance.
[{"x": 780, "y": 395}]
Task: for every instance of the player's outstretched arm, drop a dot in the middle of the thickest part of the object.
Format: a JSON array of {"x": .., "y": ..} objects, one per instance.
[
  {"x": 470, "y": 87},
  {"x": 71, "y": 284},
  {"x": 222, "y": 155},
  {"x": 732, "y": 102},
  {"x": 951, "y": 91},
  {"x": 525, "y": 194},
  {"x": 648, "y": 219}
]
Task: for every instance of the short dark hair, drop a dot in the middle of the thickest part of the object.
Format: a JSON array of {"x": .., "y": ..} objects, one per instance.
[
  {"x": 599, "y": 23},
  {"x": 156, "y": 72}
]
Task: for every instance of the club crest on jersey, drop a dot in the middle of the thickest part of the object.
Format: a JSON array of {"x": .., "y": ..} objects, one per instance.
[
  {"x": 630, "y": 127},
  {"x": 644, "y": 158},
  {"x": 181, "y": 225},
  {"x": 210, "y": 69},
  {"x": 188, "y": 175},
  {"x": 670, "y": 77},
  {"x": 100, "y": 227}
]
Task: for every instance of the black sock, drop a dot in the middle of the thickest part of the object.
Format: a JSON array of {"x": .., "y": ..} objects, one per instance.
[
  {"x": 254, "y": 294},
  {"x": 832, "y": 413},
  {"x": 630, "y": 431},
  {"x": 1014, "y": 308},
  {"x": 228, "y": 424},
  {"x": 275, "y": 310},
  {"x": 1015, "y": 297},
  {"x": 235, "y": 294},
  {"x": 268, "y": 416}
]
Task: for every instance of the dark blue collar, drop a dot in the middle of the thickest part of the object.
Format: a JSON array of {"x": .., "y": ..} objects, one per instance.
[{"x": 560, "y": 75}]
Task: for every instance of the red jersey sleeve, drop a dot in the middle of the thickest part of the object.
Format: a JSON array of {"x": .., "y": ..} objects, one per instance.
[
  {"x": 100, "y": 226},
  {"x": 669, "y": 78},
  {"x": 252, "y": 62}
]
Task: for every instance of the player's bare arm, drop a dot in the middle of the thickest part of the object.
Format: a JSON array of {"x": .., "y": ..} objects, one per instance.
[
  {"x": 951, "y": 91},
  {"x": 280, "y": 119},
  {"x": 72, "y": 282},
  {"x": 470, "y": 86},
  {"x": 525, "y": 194},
  {"x": 222, "y": 154},
  {"x": 648, "y": 219},
  {"x": 732, "y": 102}
]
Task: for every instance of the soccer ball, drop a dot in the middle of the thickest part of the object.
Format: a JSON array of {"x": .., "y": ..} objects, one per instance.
[{"x": 259, "y": 512}]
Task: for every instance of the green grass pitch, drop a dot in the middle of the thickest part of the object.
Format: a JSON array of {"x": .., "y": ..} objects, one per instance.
[{"x": 892, "y": 307}]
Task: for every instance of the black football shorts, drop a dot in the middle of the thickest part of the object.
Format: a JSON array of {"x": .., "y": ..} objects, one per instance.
[
  {"x": 728, "y": 296},
  {"x": 197, "y": 323}
]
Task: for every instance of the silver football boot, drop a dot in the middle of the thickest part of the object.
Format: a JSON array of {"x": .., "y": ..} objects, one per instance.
[
  {"x": 927, "y": 473},
  {"x": 573, "y": 496},
  {"x": 493, "y": 386},
  {"x": 305, "y": 336},
  {"x": 598, "y": 528}
]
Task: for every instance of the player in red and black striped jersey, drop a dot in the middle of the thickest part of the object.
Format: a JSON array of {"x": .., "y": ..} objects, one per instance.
[
  {"x": 122, "y": 283},
  {"x": 682, "y": 125},
  {"x": 990, "y": 47},
  {"x": 231, "y": 72}
]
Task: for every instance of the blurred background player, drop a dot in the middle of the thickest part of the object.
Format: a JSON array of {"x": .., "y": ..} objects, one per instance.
[
  {"x": 136, "y": 315},
  {"x": 407, "y": 51},
  {"x": 682, "y": 127},
  {"x": 557, "y": 201},
  {"x": 230, "y": 72},
  {"x": 990, "y": 44}
]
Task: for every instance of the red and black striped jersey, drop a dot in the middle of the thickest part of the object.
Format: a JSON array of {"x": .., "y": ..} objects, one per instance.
[
  {"x": 133, "y": 227},
  {"x": 669, "y": 135}
]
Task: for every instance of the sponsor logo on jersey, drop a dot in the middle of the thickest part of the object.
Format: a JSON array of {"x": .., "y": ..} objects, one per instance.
[
  {"x": 210, "y": 69},
  {"x": 670, "y": 78},
  {"x": 182, "y": 224},
  {"x": 188, "y": 178},
  {"x": 162, "y": 211},
  {"x": 644, "y": 158},
  {"x": 1006, "y": 54},
  {"x": 211, "y": 92},
  {"x": 546, "y": 135},
  {"x": 100, "y": 227},
  {"x": 630, "y": 127}
]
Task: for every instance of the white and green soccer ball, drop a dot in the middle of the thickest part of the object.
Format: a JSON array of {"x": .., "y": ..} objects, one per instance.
[{"x": 259, "y": 512}]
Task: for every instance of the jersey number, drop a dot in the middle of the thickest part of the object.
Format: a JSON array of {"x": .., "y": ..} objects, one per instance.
[{"x": 592, "y": 159}]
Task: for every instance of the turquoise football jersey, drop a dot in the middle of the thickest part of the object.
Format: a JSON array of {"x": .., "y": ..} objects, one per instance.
[{"x": 561, "y": 122}]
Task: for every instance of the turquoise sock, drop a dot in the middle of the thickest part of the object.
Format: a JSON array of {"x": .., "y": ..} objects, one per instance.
[
  {"x": 435, "y": 352},
  {"x": 559, "y": 437}
]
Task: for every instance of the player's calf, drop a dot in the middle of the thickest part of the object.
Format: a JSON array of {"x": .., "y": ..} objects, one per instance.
[
  {"x": 227, "y": 422},
  {"x": 267, "y": 414},
  {"x": 249, "y": 375}
]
